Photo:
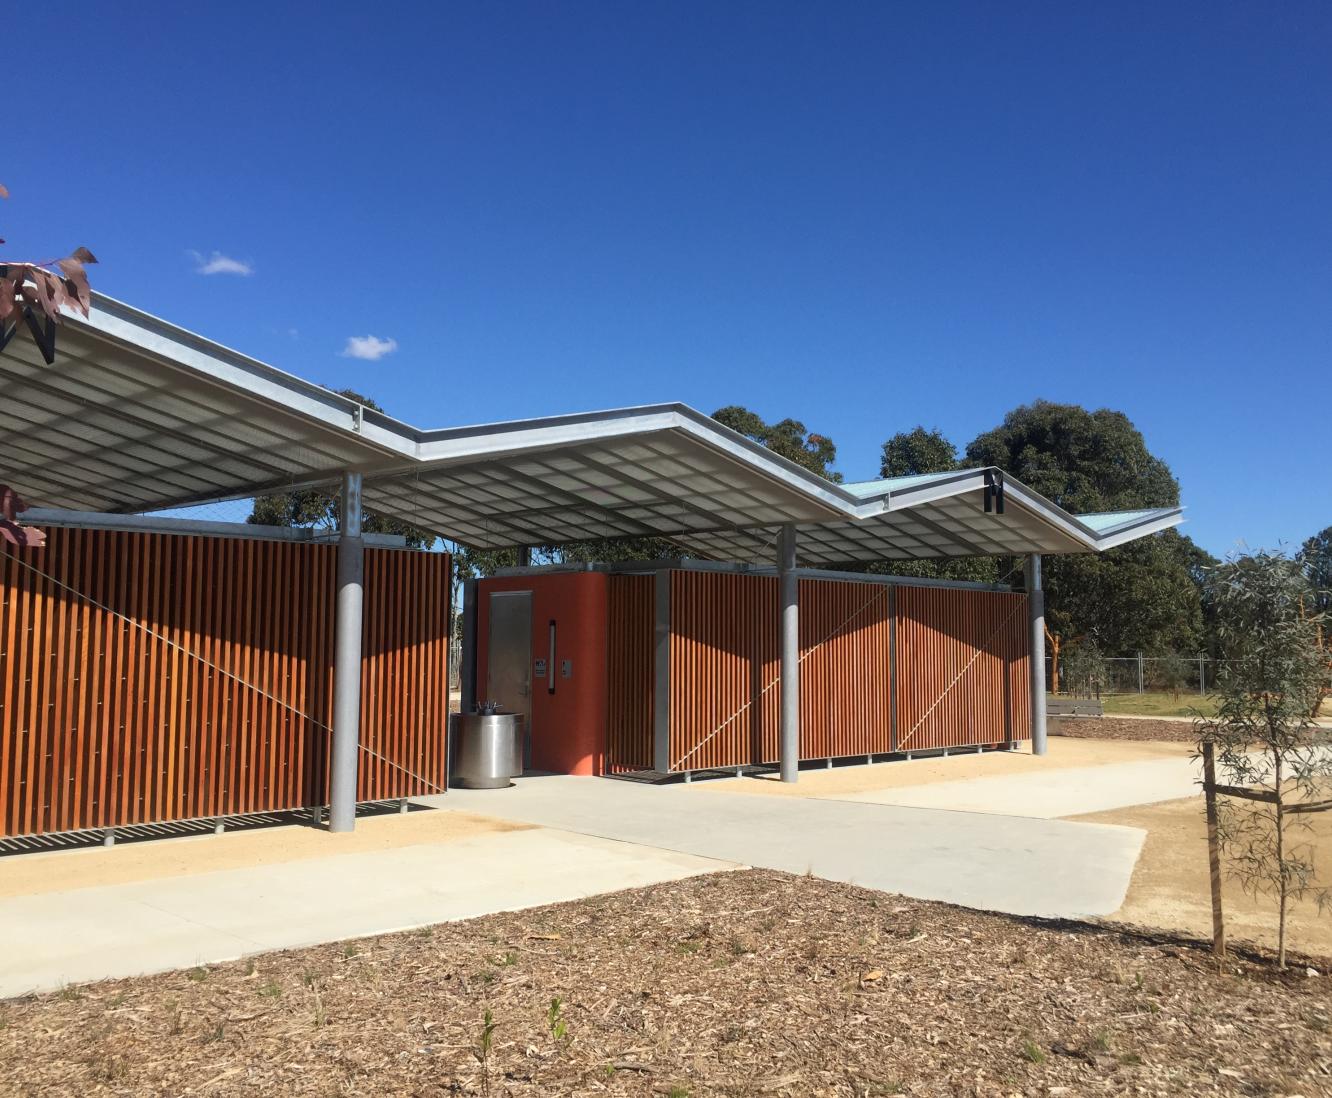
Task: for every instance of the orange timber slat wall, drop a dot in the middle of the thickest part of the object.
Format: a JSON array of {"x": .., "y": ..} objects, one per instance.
[
  {"x": 961, "y": 668},
  {"x": 631, "y": 656},
  {"x": 151, "y": 677},
  {"x": 845, "y": 645},
  {"x": 723, "y": 676}
]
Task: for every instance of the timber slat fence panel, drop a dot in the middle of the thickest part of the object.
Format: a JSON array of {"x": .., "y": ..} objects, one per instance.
[
  {"x": 724, "y": 706},
  {"x": 961, "y": 669},
  {"x": 845, "y": 647},
  {"x": 154, "y": 677},
  {"x": 631, "y": 670}
]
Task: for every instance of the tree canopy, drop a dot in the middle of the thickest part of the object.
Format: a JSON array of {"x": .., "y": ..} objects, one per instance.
[
  {"x": 1316, "y": 559},
  {"x": 1084, "y": 461},
  {"x": 320, "y": 507},
  {"x": 1144, "y": 596},
  {"x": 788, "y": 437},
  {"x": 910, "y": 453}
]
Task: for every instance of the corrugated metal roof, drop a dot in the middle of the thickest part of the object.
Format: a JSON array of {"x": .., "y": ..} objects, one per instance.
[
  {"x": 865, "y": 488},
  {"x": 1104, "y": 521},
  {"x": 140, "y": 415}
]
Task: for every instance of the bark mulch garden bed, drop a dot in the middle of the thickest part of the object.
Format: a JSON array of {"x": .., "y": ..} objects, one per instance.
[
  {"x": 1122, "y": 728},
  {"x": 743, "y": 983}
]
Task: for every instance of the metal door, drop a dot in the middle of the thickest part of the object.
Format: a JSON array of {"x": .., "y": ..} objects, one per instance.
[{"x": 509, "y": 654}]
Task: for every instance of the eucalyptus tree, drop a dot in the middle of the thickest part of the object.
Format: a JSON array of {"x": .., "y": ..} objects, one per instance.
[
  {"x": 1275, "y": 761},
  {"x": 1143, "y": 596},
  {"x": 788, "y": 437}
]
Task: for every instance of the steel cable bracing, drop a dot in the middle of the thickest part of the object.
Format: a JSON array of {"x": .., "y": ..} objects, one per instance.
[
  {"x": 880, "y": 593},
  {"x": 204, "y": 661}
]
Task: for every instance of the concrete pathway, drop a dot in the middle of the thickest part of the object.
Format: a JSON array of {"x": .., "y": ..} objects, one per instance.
[
  {"x": 1003, "y": 863},
  {"x": 1050, "y": 794},
  {"x": 72, "y": 936}
]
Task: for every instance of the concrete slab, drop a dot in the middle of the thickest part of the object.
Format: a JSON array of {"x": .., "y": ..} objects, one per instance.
[
  {"x": 1014, "y": 864},
  {"x": 74, "y": 936},
  {"x": 1050, "y": 794}
]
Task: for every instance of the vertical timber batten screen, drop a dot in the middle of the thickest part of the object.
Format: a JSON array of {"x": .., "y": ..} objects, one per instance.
[
  {"x": 959, "y": 660},
  {"x": 961, "y": 668},
  {"x": 845, "y": 638},
  {"x": 631, "y": 604},
  {"x": 152, "y": 677},
  {"x": 724, "y": 707},
  {"x": 404, "y": 675}
]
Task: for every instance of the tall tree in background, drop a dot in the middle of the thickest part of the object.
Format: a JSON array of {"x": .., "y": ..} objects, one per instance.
[
  {"x": 911, "y": 453},
  {"x": 1315, "y": 560},
  {"x": 319, "y": 508},
  {"x": 1141, "y": 597},
  {"x": 1083, "y": 461},
  {"x": 788, "y": 437}
]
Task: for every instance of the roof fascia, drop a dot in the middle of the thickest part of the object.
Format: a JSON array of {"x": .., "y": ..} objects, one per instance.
[
  {"x": 493, "y": 440},
  {"x": 112, "y": 319},
  {"x": 971, "y": 480},
  {"x": 1164, "y": 519}
]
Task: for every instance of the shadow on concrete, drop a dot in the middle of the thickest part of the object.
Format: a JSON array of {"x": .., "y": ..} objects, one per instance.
[{"x": 176, "y": 829}]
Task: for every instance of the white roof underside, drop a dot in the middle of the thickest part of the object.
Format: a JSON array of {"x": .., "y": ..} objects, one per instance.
[{"x": 137, "y": 415}]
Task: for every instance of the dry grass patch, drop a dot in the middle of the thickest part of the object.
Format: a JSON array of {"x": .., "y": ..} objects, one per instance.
[
  {"x": 744, "y": 983},
  {"x": 1171, "y": 886}
]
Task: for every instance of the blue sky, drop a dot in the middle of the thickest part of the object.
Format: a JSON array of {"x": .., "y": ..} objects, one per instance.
[{"x": 864, "y": 216}]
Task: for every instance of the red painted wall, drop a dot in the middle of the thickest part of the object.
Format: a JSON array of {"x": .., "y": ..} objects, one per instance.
[{"x": 569, "y": 726}]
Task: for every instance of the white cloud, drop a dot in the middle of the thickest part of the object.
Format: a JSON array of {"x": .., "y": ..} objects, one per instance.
[
  {"x": 219, "y": 264},
  {"x": 368, "y": 347}
]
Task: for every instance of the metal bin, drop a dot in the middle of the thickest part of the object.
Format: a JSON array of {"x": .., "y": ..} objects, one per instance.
[{"x": 487, "y": 749}]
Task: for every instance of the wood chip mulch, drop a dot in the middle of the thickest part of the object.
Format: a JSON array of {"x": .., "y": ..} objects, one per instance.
[
  {"x": 1122, "y": 728},
  {"x": 740, "y": 983}
]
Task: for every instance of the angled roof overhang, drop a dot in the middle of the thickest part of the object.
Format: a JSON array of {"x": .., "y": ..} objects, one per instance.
[{"x": 139, "y": 415}]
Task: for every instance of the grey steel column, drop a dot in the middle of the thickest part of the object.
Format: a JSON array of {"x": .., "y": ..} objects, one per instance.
[
  {"x": 347, "y": 660},
  {"x": 789, "y": 594},
  {"x": 1036, "y": 613}
]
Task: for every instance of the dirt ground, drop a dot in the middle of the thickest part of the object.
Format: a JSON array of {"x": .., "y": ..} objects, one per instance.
[
  {"x": 27, "y": 874},
  {"x": 1063, "y": 752},
  {"x": 1170, "y": 886},
  {"x": 745, "y": 983}
]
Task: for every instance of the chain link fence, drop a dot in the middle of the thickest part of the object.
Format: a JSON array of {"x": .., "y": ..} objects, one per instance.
[{"x": 1168, "y": 674}]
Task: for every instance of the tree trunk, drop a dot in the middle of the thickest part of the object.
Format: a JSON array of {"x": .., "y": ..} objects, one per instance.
[
  {"x": 1281, "y": 866},
  {"x": 1052, "y": 639},
  {"x": 1321, "y": 692}
]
